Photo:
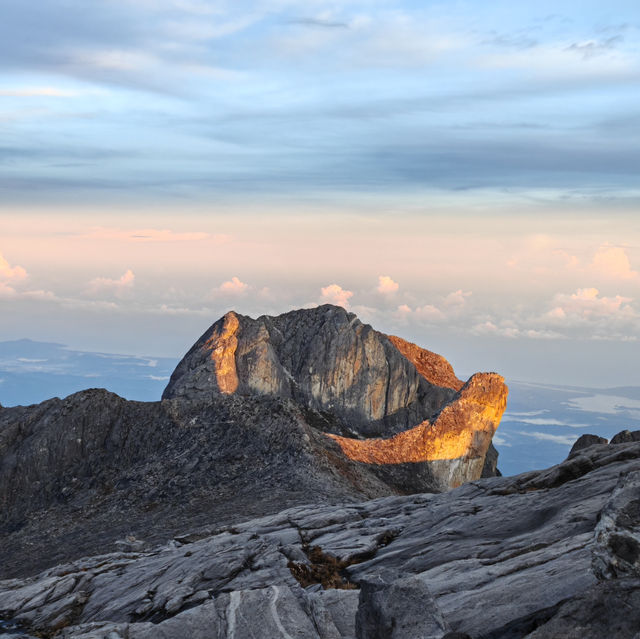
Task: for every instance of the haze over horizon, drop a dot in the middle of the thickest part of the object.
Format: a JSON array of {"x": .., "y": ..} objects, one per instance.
[{"x": 462, "y": 174}]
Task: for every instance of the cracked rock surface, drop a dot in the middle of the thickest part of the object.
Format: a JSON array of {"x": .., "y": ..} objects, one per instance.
[{"x": 544, "y": 555}]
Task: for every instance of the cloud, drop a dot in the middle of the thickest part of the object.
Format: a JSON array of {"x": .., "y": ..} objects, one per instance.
[
  {"x": 164, "y": 309},
  {"x": 429, "y": 313},
  {"x": 41, "y": 295},
  {"x": 6, "y": 290},
  {"x": 335, "y": 294},
  {"x": 120, "y": 287},
  {"x": 450, "y": 306},
  {"x": 612, "y": 261},
  {"x": 318, "y": 22},
  {"x": 234, "y": 286},
  {"x": 565, "y": 440},
  {"x": 386, "y": 285},
  {"x": 457, "y": 298},
  {"x": 590, "y": 48},
  {"x": 544, "y": 421},
  {"x": 403, "y": 312},
  {"x": 489, "y": 327},
  {"x": 152, "y": 235},
  {"x": 500, "y": 441},
  {"x": 587, "y": 303},
  {"x": 512, "y": 329},
  {"x": 37, "y": 92},
  {"x": 10, "y": 273}
]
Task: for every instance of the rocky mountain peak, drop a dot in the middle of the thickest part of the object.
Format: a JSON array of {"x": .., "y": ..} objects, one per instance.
[
  {"x": 324, "y": 358},
  {"x": 385, "y": 401}
]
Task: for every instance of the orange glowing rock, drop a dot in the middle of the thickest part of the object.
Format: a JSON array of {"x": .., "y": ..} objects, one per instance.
[
  {"x": 223, "y": 344},
  {"x": 462, "y": 429},
  {"x": 433, "y": 367}
]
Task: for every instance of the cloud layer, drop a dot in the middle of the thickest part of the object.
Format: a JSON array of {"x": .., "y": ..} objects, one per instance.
[{"x": 144, "y": 100}]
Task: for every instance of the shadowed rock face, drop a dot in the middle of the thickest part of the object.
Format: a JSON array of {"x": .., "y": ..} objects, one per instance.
[
  {"x": 324, "y": 358},
  {"x": 79, "y": 474}
]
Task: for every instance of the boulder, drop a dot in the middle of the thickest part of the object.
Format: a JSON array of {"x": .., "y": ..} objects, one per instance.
[
  {"x": 626, "y": 436},
  {"x": 586, "y": 440}
]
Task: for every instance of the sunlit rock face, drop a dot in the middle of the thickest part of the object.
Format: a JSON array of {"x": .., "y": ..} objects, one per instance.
[
  {"x": 384, "y": 400},
  {"x": 455, "y": 441},
  {"x": 324, "y": 358},
  {"x": 433, "y": 367}
]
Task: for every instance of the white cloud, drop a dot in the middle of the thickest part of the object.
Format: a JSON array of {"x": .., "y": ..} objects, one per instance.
[
  {"x": 450, "y": 306},
  {"x": 386, "y": 285},
  {"x": 40, "y": 295},
  {"x": 500, "y": 441},
  {"x": 152, "y": 235},
  {"x": 164, "y": 309},
  {"x": 504, "y": 329},
  {"x": 335, "y": 294},
  {"x": 565, "y": 440},
  {"x": 456, "y": 298},
  {"x": 91, "y": 305},
  {"x": 120, "y": 287},
  {"x": 543, "y": 421},
  {"x": 586, "y": 303},
  {"x": 116, "y": 59},
  {"x": 37, "y": 92},
  {"x": 557, "y": 61},
  {"x": 429, "y": 313},
  {"x": 613, "y": 261},
  {"x": 403, "y": 312},
  {"x": 10, "y": 273},
  {"x": 234, "y": 286}
]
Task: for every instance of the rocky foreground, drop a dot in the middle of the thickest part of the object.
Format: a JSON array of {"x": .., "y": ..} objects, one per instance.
[{"x": 553, "y": 554}]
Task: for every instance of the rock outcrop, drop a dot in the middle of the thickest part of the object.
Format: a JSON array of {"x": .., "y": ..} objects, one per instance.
[
  {"x": 370, "y": 385},
  {"x": 586, "y": 440},
  {"x": 324, "y": 358},
  {"x": 310, "y": 406},
  {"x": 457, "y": 440},
  {"x": 626, "y": 436},
  {"x": 545, "y": 555}
]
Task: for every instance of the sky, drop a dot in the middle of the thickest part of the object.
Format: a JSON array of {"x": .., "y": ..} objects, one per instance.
[{"x": 462, "y": 174}]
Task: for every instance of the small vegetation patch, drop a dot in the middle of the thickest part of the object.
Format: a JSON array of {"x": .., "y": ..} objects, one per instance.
[{"x": 323, "y": 568}]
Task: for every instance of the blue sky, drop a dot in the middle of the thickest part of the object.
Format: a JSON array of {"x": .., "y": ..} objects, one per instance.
[{"x": 464, "y": 174}]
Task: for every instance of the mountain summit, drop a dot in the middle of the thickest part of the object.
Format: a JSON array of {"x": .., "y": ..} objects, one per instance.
[
  {"x": 364, "y": 383},
  {"x": 312, "y": 406}
]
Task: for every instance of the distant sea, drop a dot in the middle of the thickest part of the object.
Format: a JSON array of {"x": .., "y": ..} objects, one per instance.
[{"x": 539, "y": 427}]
